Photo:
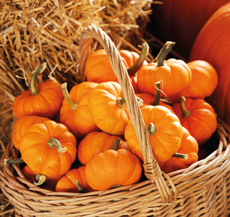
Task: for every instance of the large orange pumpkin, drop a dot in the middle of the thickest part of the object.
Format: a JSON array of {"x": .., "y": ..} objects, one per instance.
[
  {"x": 181, "y": 20},
  {"x": 212, "y": 45}
]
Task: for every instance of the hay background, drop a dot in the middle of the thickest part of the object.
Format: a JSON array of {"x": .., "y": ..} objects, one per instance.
[{"x": 37, "y": 31}]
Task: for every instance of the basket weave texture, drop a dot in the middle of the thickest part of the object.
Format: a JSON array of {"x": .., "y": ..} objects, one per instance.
[{"x": 203, "y": 189}]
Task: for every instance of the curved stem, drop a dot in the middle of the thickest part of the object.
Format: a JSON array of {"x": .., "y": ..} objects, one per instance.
[
  {"x": 158, "y": 94},
  {"x": 40, "y": 179},
  {"x": 151, "y": 129},
  {"x": 13, "y": 161},
  {"x": 179, "y": 155},
  {"x": 54, "y": 143},
  {"x": 164, "y": 52},
  {"x": 185, "y": 112},
  {"x": 33, "y": 88},
  {"x": 142, "y": 57},
  {"x": 79, "y": 186},
  {"x": 121, "y": 102},
  {"x": 73, "y": 105},
  {"x": 116, "y": 143}
]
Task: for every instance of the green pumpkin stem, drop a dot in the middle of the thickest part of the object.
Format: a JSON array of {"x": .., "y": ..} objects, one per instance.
[
  {"x": 40, "y": 179},
  {"x": 151, "y": 129},
  {"x": 185, "y": 112},
  {"x": 164, "y": 52},
  {"x": 33, "y": 88},
  {"x": 55, "y": 143},
  {"x": 179, "y": 155},
  {"x": 121, "y": 102},
  {"x": 13, "y": 161},
  {"x": 73, "y": 105},
  {"x": 158, "y": 94},
  {"x": 79, "y": 186},
  {"x": 116, "y": 143},
  {"x": 143, "y": 55}
]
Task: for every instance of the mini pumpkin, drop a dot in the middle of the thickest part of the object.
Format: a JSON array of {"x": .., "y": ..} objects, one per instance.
[
  {"x": 165, "y": 133},
  {"x": 73, "y": 181},
  {"x": 48, "y": 148},
  {"x": 198, "y": 117},
  {"x": 97, "y": 142},
  {"x": 174, "y": 74},
  {"x": 75, "y": 112},
  {"x": 113, "y": 168},
  {"x": 189, "y": 147},
  {"x": 44, "y": 100},
  {"x": 21, "y": 126}
]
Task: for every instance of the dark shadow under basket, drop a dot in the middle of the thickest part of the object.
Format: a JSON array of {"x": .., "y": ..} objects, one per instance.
[{"x": 203, "y": 189}]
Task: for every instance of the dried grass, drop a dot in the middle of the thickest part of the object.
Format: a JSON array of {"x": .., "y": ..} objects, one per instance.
[{"x": 36, "y": 31}]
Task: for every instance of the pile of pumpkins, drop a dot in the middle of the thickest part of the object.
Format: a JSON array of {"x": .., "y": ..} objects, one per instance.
[{"x": 83, "y": 139}]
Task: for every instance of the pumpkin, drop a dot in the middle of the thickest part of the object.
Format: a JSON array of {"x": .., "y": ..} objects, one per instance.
[
  {"x": 48, "y": 148},
  {"x": 97, "y": 142},
  {"x": 21, "y": 125},
  {"x": 108, "y": 108},
  {"x": 198, "y": 117},
  {"x": 212, "y": 45},
  {"x": 44, "y": 100},
  {"x": 165, "y": 133},
  {"x": 204, "y": 81},
  {"x": 75, "y": 112},
  {"x": 174, "y": 74},
  {"x": 189, "y": 146},
  {"x": 73, "y": 181},
  {"x": 113, "y": 168},
  {"x": 181, "y": 21}
]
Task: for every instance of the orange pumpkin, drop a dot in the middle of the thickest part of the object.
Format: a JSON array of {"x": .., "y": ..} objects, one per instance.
[
  {"x": 73, "y": 181},
  {"x": 198, "y": 117},
  {"x": 48, "y": 148},
  {"x": 96, "y": 142},
  {"x": 189, "y": 146},
  {"x": 21, "y": 126},
  {"x": 204, "y": 81},
  {"x": 75, "y": 112},
  {"x": 113, "y": 168},
  {"x": 44, "y": 100},
  {"x": 174, "y": 74},
  {"x": 108, "y": 108},
  {"x": 165, "y": 133}
]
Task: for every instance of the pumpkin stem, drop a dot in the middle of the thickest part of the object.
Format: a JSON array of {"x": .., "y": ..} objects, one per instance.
[
  {"x": 151, "y": 129},
  {"x": 158, "y": 94},
  {"x": 179, "y": 155},
  {"x": 79, "y": 186},
  {"x": 33, "y": 88},
  {"x": 13, "y": 161},
  {"x": 137, "y": 65},
  {"x": 121, "y": 102},
  {"x": 116, "y": 143},
  {"x": 164, "y": 52},
  {"x": 185, "y": 112},
  {"x": 40, "y": 179},
  {"x": 73, "y": 105},
  {"x": 55, "y": 143}
]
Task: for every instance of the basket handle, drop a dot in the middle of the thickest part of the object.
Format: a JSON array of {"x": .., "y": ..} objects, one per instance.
[{"x": 151, "y": 167}]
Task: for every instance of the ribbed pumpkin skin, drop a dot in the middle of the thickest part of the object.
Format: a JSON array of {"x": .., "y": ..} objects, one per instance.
[
  {"x": 79, "y": 121},
  {"x": 21, "y": 126},
  {"x": 46, "y": 103},
  {"x": 213, "y": 45},
  {"x": 111, "y": 168},
  {"x": 95, "y": 143},
  {"x": 188, "y": 146},
  {"x": 167, "y": 139},
  {"x": 181, "y": 20},
  {"x": 40, "y": 157}
]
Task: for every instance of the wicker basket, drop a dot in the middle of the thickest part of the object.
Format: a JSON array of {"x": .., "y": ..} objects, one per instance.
[{"x": 203, "y": 189}]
